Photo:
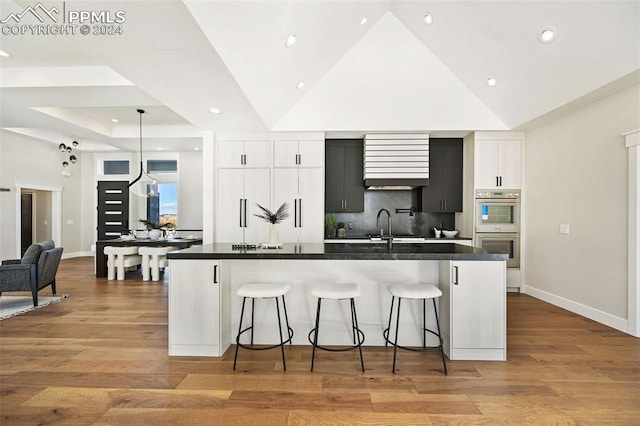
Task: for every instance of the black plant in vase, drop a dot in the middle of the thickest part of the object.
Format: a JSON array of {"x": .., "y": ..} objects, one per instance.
[{"x": 268, "y": 216}]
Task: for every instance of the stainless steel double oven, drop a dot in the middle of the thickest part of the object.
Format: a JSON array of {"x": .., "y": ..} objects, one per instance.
[{"x": 497, "y": 222}]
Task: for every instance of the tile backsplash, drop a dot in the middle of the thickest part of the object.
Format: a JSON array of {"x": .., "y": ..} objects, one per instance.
[{"x": 421, "y": 224}]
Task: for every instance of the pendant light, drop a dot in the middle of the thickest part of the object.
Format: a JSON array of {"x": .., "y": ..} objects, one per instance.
[{"x": 143, "y": 185}]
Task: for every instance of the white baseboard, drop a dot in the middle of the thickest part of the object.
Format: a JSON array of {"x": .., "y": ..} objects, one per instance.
[
  {"x": 578, "y": 308},
  {"x": 77, "y": 254}
]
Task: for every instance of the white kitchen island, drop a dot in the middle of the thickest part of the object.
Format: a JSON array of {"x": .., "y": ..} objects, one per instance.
[{"x": 204, "y": 309}]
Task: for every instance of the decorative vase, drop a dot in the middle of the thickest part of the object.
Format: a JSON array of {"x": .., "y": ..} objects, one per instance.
[
  {"x": 331, "y": 232},
  {"x": 342, "y": 232},
  {"x": 273, "y": 235},
  {"x": 154, "y": 234}
]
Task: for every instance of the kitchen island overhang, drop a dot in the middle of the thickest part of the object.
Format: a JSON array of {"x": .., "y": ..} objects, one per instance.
[{"x": 204, "y": 309}]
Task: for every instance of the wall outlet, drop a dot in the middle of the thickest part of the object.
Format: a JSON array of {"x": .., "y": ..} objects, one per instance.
[
  {"x": 46, "y": 223},
  {"x": 564, "y": 228},
  {"x": 350, "y": 225},
  {"x": 70, "y": 222}
]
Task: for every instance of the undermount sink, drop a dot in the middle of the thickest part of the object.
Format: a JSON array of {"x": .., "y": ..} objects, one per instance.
[{"x": 396, "y": 238}]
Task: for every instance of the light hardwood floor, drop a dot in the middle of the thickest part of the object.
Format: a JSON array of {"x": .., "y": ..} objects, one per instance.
[{"x": 100, "y": 357}]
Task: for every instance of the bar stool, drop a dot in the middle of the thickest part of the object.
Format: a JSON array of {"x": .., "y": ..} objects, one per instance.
[
  {"x": 337, "y": 292},
  {"x": 415, "y": 292},
  {"x": 153, "y": 259},
  {"x": 119, "y": 258},
  {"x": 255, "y": 291}
]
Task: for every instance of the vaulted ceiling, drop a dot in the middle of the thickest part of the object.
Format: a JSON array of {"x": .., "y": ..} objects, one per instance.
[{"x": 394, "y": 72}]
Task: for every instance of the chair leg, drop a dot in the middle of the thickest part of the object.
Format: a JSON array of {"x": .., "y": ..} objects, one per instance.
[
  {"x": 386, "y": 343},
  {"x": 253, "y": 304},
  {"x": 444, "y": 363},
  {"x": 145, "y": 267},
  {"x": 354, "y": 317},
  {"x": 286, "y": 319},
  {"x": 111, "y": 267},
  {"x": 53, "y": 286},
  {"x": 284, "y": 362},
  {"x": 120, "y": 263},
  {"x": 424, "y": 323},
  {"x": 315, "y": 337},
  {"x": 34, "y": 296},
  {"x": 155, "y": 268},
  {"x": 395, "y": 342},
  {"x": 235, "y": 358}
]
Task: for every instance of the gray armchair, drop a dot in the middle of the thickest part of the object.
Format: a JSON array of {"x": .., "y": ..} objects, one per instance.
[{"x": 36, "y": 270}]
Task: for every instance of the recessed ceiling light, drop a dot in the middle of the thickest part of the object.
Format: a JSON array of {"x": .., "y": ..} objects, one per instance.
[
  {"x": 4, "y": 54},
  {"x": 215, "y": 110},
  {"x": 428, "y": 18},
  {"x": 300, "y": 84},
  {"x": 364, "y": 20},
  {"x": 547, "y": 35},
  {"x": 115, "y": 120},
  {"x": 195, "y": 148},
  {"x": 291, "y": 40},
  {"x": 492, "y": 82}
]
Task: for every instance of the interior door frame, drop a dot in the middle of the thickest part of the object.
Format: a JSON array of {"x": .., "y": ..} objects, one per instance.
[
  {"x": 56, "y": 210},
  {"x": 632, "y": 142}
]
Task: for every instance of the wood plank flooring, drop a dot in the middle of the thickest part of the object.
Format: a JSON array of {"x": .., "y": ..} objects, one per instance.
[{"x": 100, "y": 358}]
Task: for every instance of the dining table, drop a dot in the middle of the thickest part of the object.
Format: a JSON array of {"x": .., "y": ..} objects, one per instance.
[{"x": 101, "y": 258}]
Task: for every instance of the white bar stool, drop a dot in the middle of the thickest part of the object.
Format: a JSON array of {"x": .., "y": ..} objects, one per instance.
[
  {"x": 337, "y": 292},
  {"x": 415, "y": 292},
  {"x": 119, "y": 258},
  {"x": 153, "y": 259},
  {"x": 255, "y": 291}
]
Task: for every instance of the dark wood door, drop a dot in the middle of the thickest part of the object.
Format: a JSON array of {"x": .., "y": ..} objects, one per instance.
[
  {"x": 344, "y": 181},
  {"x": 444, "y": 192},
  {"x": 26, "y": 222},
  {"x": 353, "y": 178},
  {"x": 113, "y": 209}
]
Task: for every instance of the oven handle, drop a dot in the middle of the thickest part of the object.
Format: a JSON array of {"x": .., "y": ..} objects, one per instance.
[{"x": 498, "y": 235}]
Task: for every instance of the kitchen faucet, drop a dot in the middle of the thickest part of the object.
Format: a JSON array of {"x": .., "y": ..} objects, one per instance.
[{"x": 388, "y": 221}]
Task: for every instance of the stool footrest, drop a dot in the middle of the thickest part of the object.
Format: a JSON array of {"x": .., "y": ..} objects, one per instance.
[
  {"x": 340, "y": 349},
  {"x": 385, "y": 334},
  {"x": 262, "y": 347}
]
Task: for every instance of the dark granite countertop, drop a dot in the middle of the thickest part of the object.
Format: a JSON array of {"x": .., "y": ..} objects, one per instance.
[
  {"x": 341, "y": 251},
  {"x": 367, "y": 237}
]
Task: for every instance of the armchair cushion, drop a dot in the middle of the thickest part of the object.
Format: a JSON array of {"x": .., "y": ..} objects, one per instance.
[{"x": 31, "y": 255}]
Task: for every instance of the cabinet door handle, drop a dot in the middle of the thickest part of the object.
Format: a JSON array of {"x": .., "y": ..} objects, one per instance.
[
  {"x": 345, "y": 204},
  {"x": 500, "y": 180},
  {"x": 240, "y": 213},
  {"x": 455, "y": 275},
  {"x": 245, "y": 213},
  {"x": 295, "y": 213},
  {"x": 215, "y": 274},
  {"x": 497, "y": 181},
  {"x": 444, "y": 204},
  {"x": 299, "y": 159},
  {"x": 300, "y": 212}
]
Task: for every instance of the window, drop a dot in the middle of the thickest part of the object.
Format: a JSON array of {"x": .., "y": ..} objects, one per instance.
[
  {"x": 163, "y": 208},
  {"x": 115, "y": 167},
  {"x": 162, "y": 166}
]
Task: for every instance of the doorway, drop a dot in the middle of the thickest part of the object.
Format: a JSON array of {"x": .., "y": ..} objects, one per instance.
[
  {"x": 45, "y": 211},
  {"x": 26, "y": 221}
]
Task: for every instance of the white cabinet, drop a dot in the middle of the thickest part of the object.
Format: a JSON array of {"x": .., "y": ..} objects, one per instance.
[
  {"x": 298, "y": 153},
  {"x": 498, "y": 164},
  {"x": 239, "y": 193},
  {"x": 301, "y": 188},
  {"x": 199, "y": 325},
  {"x": 473, "y": 309},
  {"x": 298, "y": 179},
  {"x": 244, "y": 153}
]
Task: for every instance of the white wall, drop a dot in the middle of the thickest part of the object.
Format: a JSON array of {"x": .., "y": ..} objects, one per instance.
[
  {"x": 36, "y": 162},
  {"x": 576, "y": 174},
  {"x": 190, "y": 191}
]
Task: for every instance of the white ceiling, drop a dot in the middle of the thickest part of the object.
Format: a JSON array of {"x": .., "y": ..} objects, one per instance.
[{"x": 177, "y": 59}]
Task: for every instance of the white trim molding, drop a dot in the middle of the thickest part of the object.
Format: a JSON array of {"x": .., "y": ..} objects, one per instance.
[
  {"x": 580, "y": 309},
  {"x": 56, "y": 210},
  {"x": 632, "y": 142}
]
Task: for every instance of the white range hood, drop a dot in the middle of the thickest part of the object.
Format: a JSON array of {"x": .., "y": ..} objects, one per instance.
[{"x": 396, "y": 161}]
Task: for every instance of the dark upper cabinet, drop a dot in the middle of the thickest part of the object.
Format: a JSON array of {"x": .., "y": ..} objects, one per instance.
[
  {"x": 444, "y": 193},
  {"x": 344, "y": 182}
]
